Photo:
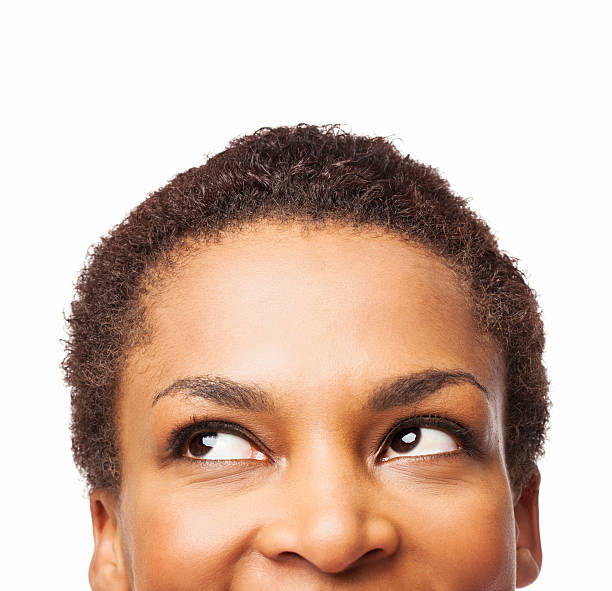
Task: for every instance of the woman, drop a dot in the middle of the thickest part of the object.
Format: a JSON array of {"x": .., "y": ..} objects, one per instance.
[{"x": 306, "y": 365}]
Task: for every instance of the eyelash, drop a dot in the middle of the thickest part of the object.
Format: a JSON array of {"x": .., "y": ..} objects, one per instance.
[{"x": 181, "y": 435}]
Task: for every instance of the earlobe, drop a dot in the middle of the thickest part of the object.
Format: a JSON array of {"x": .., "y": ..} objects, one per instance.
[
  {"x": 527, "y": 522},
  {"x": 107, "y": 568}
]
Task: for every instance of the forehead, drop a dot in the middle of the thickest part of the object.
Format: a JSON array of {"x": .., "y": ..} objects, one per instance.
[{"x": 311, "y": 311}]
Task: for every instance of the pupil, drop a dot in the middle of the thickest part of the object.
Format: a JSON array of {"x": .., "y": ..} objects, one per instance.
[
  {"x": 406, "y": 440},
  {"x": 201, "y": 444}
]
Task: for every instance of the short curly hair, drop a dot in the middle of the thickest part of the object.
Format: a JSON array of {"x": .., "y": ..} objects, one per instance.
[{"x": 311, "y": 174}]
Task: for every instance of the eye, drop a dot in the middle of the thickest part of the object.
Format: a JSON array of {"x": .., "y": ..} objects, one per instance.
[
  {"x": 419, "y": 441},
  {"x": 221, "y": 446}
]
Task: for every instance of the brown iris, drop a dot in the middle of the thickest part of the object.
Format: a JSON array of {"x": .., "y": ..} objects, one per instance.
[
  {"x": 201, "y": 444},
  {"x": 406, "y": 440}
]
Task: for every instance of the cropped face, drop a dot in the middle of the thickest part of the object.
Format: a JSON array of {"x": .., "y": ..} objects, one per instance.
[{"x": 310, "y": 412}]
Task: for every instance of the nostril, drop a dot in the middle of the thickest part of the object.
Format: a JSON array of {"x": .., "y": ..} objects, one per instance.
[
  {"x": 370, "y": 555},
  {"x": 288, "y": 557}
]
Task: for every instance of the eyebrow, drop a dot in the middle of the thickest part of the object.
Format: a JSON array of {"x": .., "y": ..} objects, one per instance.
[
  {"x": 221, "y": 390},
  {"x": 402, "y": 391},
  {"x": 412, "y": 388}
]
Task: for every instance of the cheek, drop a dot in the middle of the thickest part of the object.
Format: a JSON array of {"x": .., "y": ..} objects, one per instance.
[
  {"x": 188, "y": 540},
  {"x": 456, "y": 535},
  {"x": 477, "y": 536},
  {"x": 467, "y": 538}
]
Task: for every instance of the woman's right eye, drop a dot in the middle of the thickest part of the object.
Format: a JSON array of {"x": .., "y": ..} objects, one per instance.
[{"x": 221, "y": 446}]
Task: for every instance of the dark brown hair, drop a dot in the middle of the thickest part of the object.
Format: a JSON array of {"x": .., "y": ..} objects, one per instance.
[{"x": 309, "y": 174}]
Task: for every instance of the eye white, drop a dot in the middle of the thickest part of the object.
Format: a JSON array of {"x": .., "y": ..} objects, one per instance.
[
  {"x": 227, "y": 446},
  {"x": 430, "y": 442}
]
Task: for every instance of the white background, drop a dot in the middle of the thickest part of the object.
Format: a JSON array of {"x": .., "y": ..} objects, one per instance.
[{"x": 105, "y": 102}]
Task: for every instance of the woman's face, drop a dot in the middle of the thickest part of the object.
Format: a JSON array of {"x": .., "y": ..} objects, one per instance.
[{"x": 313, "y": 412}]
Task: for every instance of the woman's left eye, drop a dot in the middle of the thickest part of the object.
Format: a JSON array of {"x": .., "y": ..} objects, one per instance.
[
  {"x": 419, "y": 441},
  {"x": 221, "y": 446}
]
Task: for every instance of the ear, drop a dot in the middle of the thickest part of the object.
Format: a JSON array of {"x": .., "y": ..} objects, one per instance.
[
  {"x": 107, "y": 570},
  {"x": 527, "y": 522}
]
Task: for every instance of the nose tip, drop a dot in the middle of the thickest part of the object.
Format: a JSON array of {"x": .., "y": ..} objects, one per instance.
[
  {"x": 335, "y": 545},
  {"x": 330, "y": 543}
]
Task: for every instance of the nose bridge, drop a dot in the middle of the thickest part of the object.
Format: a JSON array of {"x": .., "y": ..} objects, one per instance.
[
  {"x": 332, "y": 464},
  {"x": 328, "y": 486},
  {"x": 327, "y": 515},
  {"x": 329, "y": 467}
]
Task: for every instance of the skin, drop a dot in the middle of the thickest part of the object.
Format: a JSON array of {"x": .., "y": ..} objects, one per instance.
[{"x": 317, "y": 321}]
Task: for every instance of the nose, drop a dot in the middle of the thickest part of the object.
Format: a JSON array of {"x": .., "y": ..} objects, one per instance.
[{"x": 332, "y": 521}]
